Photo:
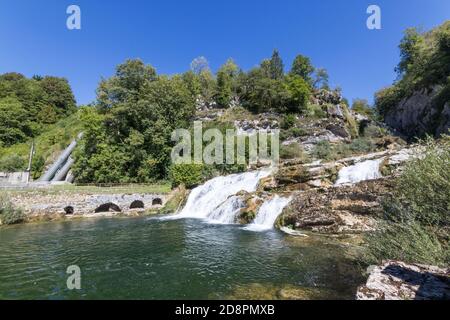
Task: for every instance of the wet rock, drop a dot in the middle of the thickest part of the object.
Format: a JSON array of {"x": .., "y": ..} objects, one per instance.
[
  {"x": 252, "y": 202},
  {"x": 395, "y": 280}
]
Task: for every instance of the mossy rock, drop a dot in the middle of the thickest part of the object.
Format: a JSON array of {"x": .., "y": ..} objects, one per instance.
[
  {"x": 252, "y": 204},
  {"x": 385, "y": 168},
  {"x": 292, "y": 175},
  {"x": 176, "y": 201}
]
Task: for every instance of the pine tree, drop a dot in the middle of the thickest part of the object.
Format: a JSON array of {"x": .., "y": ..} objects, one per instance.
[{"x": 276, "y": 66}]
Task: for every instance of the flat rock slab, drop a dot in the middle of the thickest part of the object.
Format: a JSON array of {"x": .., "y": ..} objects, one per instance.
[{"x": 395, "y": 280}]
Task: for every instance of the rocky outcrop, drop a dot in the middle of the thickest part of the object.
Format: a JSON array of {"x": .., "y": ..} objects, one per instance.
[
  {"x": 295, "y": 175},
  {"x": 321, "y": 204},
  {"x": 345, "y": 209},
  {"x": 394, "y": 280},
  {"x": 266, "y": 122},
  {"x": 420, "y": 114},
  {"x": 326, "y": 97}
]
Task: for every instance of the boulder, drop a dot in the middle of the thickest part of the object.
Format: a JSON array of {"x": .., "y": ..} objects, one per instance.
[
  {"x": 395, "y": 280},
  {"x": 344, "y": 209}
]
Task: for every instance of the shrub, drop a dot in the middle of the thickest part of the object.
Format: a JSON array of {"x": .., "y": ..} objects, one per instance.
[
  {"x": 416, "y": 218},
  {"x": 297, "y": 132},
  {"x": 189, "y": 175},
  {"x": 323, "y": 150},
  {"x": 12, "y": 163},
  {"x": 8, "y": 214},
  {"x": 372, "y": 131},
  {"x": 288, "y": 121},
  {"x": 362, "y": 145},
  {"x": 425, "y": 184},
  {"x": 408, "y": 242},
  {"x": 292, "y": 151},
  {"x": 315, "y": 111},
  {"x": 361, "y": 106}
]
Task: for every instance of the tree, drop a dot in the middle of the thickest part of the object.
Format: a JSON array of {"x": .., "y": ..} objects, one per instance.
[
  {"x": 34, "y": 103},
  {"x": 128, "y": 136},
  {"x": 58, "y": 94},
  {"x": 207, "y": 85},
  {"x": 199, "y": 64},
  {"x": 302, "y": 67},
  {"x": 409, "y": 50},
  {"x": 13, "y": 128},
  {"x": 192, "y": 82},
  {"x": 259, "y": 93},
  {"x": 362, "y": 107},
  {"x": 321, "y": 79},
  {"x": 276, "y": 66},
  {"x": 226, "y": 83},
  {"x": 129, "y": 79},
  {"x": 299, "y": 94}
]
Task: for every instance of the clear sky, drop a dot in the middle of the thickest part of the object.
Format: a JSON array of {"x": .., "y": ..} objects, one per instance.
[{"x": 168, "y": 34}]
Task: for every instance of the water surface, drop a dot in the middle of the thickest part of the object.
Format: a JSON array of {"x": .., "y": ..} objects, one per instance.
[{"x": 142, "y": 258}]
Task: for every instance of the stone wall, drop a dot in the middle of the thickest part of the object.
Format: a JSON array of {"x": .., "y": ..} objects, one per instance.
[
  {"x": 40, "y": 203},
  {"x": 12, "y": 178}
]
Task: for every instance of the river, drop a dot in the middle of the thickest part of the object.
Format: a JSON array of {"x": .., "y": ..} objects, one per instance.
[{"x": 150, "y": 258}]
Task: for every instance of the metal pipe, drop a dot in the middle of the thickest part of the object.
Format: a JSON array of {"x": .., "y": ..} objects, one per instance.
[
  {"x": 50, "y": 173},
  {"x": 62, "y": 173}
]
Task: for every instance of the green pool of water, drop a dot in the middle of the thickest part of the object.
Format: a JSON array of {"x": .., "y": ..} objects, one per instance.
[{"x": 142, "y": 258}]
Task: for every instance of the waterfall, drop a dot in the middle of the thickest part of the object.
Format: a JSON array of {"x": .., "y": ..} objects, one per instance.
[
  {"x": 268, "y": 213},
  {"x": 361, "y": 171},
  {"x": 213, "y": 200},
  {"x": 227, "y": 211}
]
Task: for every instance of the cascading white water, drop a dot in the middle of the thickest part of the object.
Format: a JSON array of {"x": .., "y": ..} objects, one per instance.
[
  {"x": 268, "y": 213},
  {"x": 366, "y": 170},
  {"x": 227, "y": 211},
  {"x": 211, "y": 200}
]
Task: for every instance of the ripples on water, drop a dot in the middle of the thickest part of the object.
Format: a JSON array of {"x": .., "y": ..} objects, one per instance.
[{"x": 163, "y": 259}]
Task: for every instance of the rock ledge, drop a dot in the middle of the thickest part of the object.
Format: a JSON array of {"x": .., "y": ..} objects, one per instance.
[{"x": 395, "y": 280}]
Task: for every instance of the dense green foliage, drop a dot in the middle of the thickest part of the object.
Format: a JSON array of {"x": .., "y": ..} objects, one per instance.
[
  {"x": 127, "y": 131},
  {"x": 424, "y": 63},
  {"x": 416, "y": 225},
  {"x": 27, "y": 106},
  {"x": 190, "y": 175},
  {"x": 303, "y": 68},
  {"x": 53, "y": 139},
  {"x": 127, "y": 135}
]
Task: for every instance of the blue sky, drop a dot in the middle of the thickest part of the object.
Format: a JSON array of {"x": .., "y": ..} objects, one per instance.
[{"x": 169, "y": 34}]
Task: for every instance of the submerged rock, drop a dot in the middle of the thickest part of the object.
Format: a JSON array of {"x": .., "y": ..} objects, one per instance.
[{"x": 395, "y": 280}]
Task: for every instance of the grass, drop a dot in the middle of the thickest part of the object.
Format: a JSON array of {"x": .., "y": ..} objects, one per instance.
[{"x": 158, "y": 188}]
